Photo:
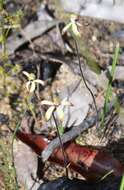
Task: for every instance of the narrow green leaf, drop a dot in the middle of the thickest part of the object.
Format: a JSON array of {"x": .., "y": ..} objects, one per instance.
[
  {"x": 109, "y": 87},
  {"x": 61, "y": 129},
  {"x": 122, "y": 183},
  {"x": 1, "y": 38}
]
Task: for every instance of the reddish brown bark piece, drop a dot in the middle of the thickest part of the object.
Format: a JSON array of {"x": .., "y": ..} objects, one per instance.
[{"x": 92, "y": 164}]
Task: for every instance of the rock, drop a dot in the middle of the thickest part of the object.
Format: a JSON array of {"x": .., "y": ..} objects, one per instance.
[
  {"x": 102, "y": 9},
  {"x": 80, "y": 97},
  {"x": 70, "y": 86},
  {"x": 26, "y": 165}
]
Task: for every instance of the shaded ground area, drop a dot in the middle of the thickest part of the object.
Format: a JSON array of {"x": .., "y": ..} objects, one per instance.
[{"x": 52, "y": 57}]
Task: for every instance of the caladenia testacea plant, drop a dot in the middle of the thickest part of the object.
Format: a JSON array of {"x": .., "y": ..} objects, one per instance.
[
  {"x": 53, "y": 107},
  {"x": 32, "y": 81},
  {"x": 31, "y": 85},
  {"x": 72, "y": 27}
]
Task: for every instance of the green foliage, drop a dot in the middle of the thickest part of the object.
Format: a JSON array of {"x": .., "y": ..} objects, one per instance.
[
  {"x": 109, "y": 91},
  {"x": 8, "y": 86},
  {"x": 6, "y": 167},
  {"x": 7, "y": 71},
  {"x": 122, "y": 183},
  {"x": 8, "y": 82},
  {"x": 61, "y": 129},
  {"x": 8, "y": 21}
]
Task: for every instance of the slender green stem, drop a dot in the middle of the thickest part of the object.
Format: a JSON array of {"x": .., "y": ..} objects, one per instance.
[
  {"x": 12, "y": 153},
  {"x": 61, "y": 144}
]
